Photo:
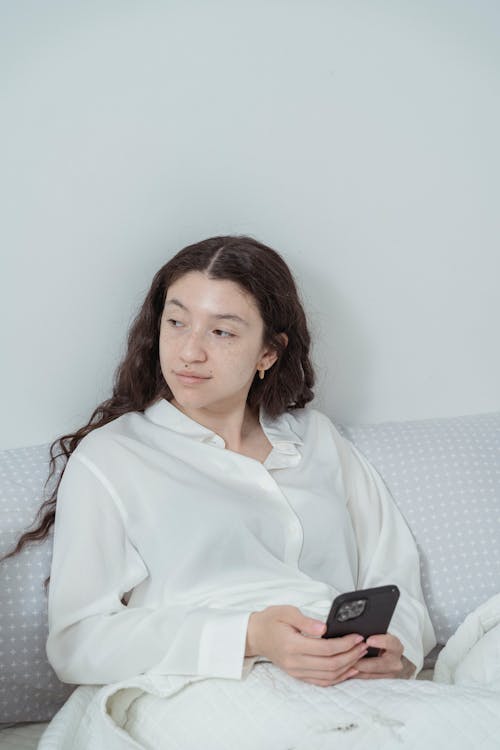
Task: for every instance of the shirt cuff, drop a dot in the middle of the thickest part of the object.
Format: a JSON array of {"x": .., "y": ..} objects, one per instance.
[
  {"x": 206, "y": 642},
  {"x": 222, "y": 645}
]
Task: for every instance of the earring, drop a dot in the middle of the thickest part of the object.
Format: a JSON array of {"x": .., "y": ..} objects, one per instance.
[{"x": 261, "y": 374}]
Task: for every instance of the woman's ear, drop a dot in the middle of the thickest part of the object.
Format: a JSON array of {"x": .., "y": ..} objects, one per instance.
[
  {"x": 270, "y": 355},
  {"x": 283, "y": 336}
]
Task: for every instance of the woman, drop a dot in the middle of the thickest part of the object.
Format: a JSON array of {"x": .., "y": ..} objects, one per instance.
[{"x": 207, "y": 517}]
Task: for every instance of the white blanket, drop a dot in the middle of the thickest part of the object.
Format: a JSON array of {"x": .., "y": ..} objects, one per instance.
[
  {"x": 268, "y": 710},
  {"x": 472, "y": 654}
]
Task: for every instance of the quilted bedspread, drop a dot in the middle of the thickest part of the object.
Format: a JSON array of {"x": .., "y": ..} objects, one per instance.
[{"x": 269, "y": 710}]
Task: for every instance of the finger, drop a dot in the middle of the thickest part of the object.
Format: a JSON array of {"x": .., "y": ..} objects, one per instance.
[
  {"x": 380, "y": 665},
  {"x": 337, "y": 662},
  {"x": 386, "y": 641},
  {"x": 301, "y": 623},
  {"x": 325, "y": 669},
  {"x": 326, "y": 646}
]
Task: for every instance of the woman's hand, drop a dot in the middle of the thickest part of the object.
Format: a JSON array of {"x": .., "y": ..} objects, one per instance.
[
  {"x": 282, "y": 635},
  {"x": 389, "y": 663}
]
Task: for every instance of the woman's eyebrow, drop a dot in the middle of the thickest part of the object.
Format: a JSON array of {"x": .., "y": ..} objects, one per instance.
[
  {"x": 218, "y": 316},
  {"x": 175, "y": 302},
  {"x": 230, "y": 316}
]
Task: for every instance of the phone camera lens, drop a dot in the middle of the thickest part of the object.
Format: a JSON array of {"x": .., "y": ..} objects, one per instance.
[{"x": 350, "y": 610}]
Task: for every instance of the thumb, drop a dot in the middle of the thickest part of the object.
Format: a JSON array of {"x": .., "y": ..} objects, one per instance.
[
  {"x": 313, "y": 627},
  {"x": 306, "y": 624}
]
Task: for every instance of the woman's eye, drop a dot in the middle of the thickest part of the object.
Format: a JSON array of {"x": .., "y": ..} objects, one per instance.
[
  {"x": 174, "y": 323},
  {"x": 223, "y": 334}
]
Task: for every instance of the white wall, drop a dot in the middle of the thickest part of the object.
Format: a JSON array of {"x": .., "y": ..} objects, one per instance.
[{"x": 358, "y": 138}]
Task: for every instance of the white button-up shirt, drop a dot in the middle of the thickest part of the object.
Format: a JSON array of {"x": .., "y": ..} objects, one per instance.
[{"x": 165, "y": 542}]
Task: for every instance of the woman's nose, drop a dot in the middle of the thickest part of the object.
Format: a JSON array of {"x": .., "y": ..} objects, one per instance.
[{"x": 192, "y": 347}]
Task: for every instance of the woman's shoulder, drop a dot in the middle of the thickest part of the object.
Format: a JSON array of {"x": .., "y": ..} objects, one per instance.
[{"x": 110, "y": 435}]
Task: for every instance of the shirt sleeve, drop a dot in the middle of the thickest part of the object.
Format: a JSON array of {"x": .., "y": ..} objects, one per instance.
[
  {"x": 94, "y": 638},
  {"x": 387, "y": 553}
]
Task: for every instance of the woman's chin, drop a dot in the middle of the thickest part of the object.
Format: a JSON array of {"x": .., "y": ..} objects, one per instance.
[{"x": 185, "y": 401}]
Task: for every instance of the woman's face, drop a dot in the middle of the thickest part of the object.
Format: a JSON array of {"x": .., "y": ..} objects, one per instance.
[{"x": 211, "y": 343}]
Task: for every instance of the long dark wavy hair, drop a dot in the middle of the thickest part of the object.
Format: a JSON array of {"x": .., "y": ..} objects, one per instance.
[{"x": 138, "y": 380}]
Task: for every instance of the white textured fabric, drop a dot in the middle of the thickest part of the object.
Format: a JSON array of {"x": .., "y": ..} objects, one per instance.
[
  {"x": 154, "y": 504},
  {"x": 269, "y": 710},
  {"x": 444, "y": 475},
  {"x": 472, "y": 655},
  {"x": 272, "y": 711}
]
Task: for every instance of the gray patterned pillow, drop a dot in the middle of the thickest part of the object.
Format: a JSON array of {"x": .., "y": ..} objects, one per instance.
[
  {"x": 444, "y": 475},
  {"x": 29, "y": 688}
]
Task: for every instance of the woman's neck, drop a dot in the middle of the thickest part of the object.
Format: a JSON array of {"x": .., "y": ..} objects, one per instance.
[{"x": 236, "y": 426}]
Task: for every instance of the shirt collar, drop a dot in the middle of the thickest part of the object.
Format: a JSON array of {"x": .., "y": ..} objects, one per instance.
[{"x": 278, "y": 430}]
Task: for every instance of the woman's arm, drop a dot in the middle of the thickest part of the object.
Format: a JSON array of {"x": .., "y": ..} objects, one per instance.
[{"x": 95, "y": 639}]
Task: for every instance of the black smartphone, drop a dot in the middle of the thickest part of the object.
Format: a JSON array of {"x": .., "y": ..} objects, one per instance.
[{"x": 367, "y": 612}]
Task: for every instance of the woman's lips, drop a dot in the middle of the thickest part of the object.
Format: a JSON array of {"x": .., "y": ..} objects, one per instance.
[{"x": 190, "y": 378}]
